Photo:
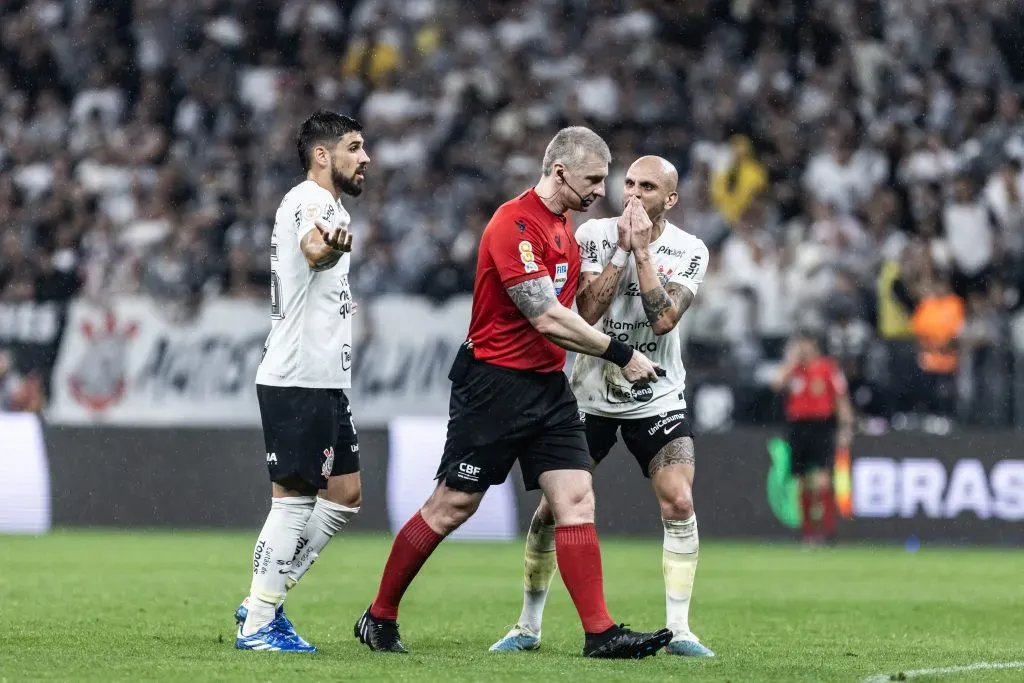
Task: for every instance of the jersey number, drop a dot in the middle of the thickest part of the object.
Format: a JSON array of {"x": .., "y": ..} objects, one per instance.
[{"x": 276, "y": 306}]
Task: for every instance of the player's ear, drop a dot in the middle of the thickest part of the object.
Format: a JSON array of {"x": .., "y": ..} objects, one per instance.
[
  {"x": 671, "y": 200},
  {"x": 321, "y": 155}
]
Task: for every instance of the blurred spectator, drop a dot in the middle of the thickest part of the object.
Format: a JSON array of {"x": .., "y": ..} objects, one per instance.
[
  {"x": 937, "y": 324},
  {"x": 736, "y": 185},
  {"x": 823, "y": 145},
  {"x": 971, "y": 232}
]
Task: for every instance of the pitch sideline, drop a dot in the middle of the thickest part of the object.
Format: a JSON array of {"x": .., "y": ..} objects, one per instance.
[{"x": 977, "y": 666}]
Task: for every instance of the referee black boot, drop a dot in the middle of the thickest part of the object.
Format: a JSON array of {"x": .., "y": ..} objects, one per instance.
[
  {"x": 619, "y": 642},
  {"x": 380, "y": 635}
]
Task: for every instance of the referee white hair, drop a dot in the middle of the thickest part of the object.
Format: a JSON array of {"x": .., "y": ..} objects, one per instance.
[{"x": 574, "y": 146}]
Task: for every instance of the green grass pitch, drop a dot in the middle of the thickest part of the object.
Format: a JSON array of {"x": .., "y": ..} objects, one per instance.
[{"x": 105, "y": 606}]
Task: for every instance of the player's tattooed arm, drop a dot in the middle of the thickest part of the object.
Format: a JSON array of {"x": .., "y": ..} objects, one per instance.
[
  {"x": 663, "y": 304},
  {"x": 676, "y": 452},
  {"x": 669, "y": 302},
  {"x": 536, "y": 300},
  {"x": 596, "y": 292}
]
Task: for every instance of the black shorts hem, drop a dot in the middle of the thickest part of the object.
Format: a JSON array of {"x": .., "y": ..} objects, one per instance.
[{"x": 643, "y": 437}]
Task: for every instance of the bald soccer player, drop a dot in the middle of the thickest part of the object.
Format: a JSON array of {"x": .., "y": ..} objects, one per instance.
[{"x": 639, "y": 274}]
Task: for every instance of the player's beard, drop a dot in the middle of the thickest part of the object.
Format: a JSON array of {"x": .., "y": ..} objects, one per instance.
[{"x": 349, "y": 185}]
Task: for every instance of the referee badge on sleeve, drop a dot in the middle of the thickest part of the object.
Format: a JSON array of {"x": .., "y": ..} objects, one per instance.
[{"x": 561, "y": 275}]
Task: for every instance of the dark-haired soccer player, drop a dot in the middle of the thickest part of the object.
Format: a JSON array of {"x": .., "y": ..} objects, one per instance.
[
  {"x": 511, "y": 400},
  {"x": 311, "y": 446}
]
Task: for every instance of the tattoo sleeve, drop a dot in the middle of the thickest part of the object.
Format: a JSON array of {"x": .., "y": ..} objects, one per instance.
[
  {"x": 681, "y": 297},
  {"x": 675, "y": 452},
  {"x": 593, "y": 299},
  {"x": 656, "y": 302},
  {"x": 533, "y": 297}
]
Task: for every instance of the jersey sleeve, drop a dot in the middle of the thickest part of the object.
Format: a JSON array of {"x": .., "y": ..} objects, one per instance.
[
  {"x": 517, "y": 247},
  {"x": 691, "y": 272},
  {"x": 591, "y": 253},
  {"x": 313, "y": 207}
]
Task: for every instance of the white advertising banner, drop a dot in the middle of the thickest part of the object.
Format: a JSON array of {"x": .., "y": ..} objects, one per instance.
[
  {"x": 415, "y": 446},
  {"x": 25, "y": 505},
  {"x": 130, "y": 364},
  {"x": 404, "y": 348}
]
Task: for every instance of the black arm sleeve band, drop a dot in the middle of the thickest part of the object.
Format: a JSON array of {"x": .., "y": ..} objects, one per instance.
[{"x": 618, "y": 353}]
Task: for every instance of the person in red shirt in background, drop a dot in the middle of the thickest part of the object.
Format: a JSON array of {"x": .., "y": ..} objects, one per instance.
[
  {"x": 511, "y": 400},
  {"x": 820, "y": 418}
]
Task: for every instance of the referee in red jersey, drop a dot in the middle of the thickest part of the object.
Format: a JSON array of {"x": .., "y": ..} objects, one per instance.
[
  {"x": 816, "y": 403},
  {"x": 511, "y": 399}
]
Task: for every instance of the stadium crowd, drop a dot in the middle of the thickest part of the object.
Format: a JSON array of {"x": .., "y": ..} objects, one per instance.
[{"x": 853, "y": 165}]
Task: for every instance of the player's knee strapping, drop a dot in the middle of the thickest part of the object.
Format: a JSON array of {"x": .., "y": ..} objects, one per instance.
[
  {"x": 681, "y": 535},
  {"x": 679, "y": 566}
]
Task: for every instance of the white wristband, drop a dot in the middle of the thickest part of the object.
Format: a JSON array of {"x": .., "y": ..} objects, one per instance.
[{"x": 620, "y": 257}]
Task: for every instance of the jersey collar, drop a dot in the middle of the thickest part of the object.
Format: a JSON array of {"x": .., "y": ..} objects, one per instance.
[{"x": 532, "y": 194}]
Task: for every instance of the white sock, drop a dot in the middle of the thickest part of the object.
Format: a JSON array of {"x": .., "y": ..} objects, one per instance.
[
  {"x": 539, "y": 568},
  {"x": 326, "y": 520},
  {"x": 272, "y": 558},
  {"x": 679, "y": 565}
]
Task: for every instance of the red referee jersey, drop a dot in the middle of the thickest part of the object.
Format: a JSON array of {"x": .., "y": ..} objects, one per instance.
[
  {"x": 813, "y": 389},
  {"x": 523, "y": 240}
]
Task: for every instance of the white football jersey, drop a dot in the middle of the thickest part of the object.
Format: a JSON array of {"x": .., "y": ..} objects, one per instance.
[
  {"x": 600, "y": 388},
  {"x": 310, "y": 341}
]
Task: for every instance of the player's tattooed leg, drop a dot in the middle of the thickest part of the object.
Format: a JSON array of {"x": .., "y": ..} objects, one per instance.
[{"x": 675, "y": 452}]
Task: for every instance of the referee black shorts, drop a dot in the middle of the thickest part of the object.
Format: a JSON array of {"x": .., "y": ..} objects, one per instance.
[
  {"x": 309, "y": 435},
  {"x": 812, "y": 445},
  {"x": 498, "y": 416}
]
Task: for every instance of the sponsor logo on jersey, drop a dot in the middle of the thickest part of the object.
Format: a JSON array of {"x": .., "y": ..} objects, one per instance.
[
  {"x": 642, "y": 393},
  {"x": 618, "y": 326},
  {"x": 346, "y": 357},
  {"x": 521, "y": 225},
  {"x": 694, "y": 266},
  {"x": 272, "y": 458},
  {"x": 527, "y": 257},
  {"x": 561, "y": 275},
  {"x": 669, "y": 251}
]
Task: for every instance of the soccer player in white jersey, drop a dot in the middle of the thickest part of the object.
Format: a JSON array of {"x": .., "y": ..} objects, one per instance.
[
  {"x": 639, "y": 275},
  {"x": 311, "y": 445}
]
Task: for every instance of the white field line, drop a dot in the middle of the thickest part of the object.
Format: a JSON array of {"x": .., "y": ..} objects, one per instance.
[{"x": 977, "y": 666}]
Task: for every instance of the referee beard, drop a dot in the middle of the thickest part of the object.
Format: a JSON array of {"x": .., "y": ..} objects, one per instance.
[{"x": 820, "y": 421}]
